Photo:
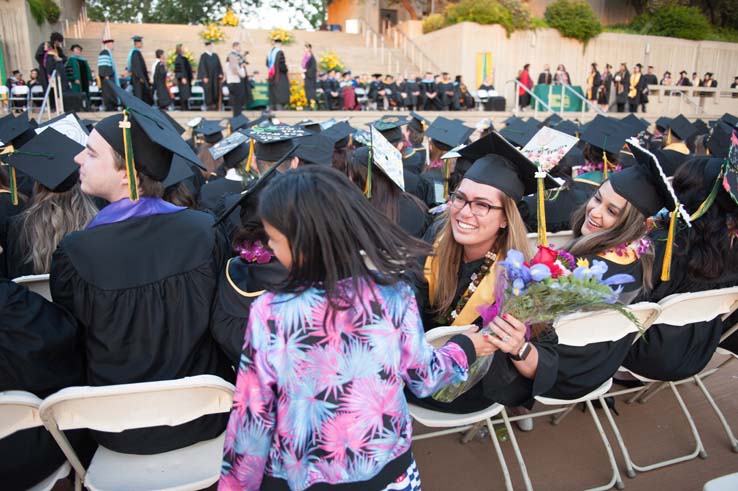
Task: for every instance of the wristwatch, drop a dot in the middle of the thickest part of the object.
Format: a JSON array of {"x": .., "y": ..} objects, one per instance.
[{"x": 522, "y": 354}]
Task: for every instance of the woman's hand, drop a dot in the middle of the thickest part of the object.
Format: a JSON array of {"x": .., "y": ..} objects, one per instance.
[
  {"x": 482, "y": 342},
  {"x": 509, "y": 334}
]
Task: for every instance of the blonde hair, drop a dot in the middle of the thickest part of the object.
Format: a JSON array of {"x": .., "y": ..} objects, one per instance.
[{"x": 448, "y": 253}]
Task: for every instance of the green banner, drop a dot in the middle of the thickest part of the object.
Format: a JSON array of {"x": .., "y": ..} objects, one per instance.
[
  {"x": 3, "y": 75},
  {"x": 552, "y": 95},
  {"x": 259, "y": 95}
]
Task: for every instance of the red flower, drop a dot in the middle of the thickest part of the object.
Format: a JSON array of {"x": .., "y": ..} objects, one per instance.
[
  {"x": 545, "y": 255},
  {"x": 556, "y": 271}
]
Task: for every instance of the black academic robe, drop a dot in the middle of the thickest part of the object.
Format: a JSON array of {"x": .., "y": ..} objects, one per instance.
[
  {"x": 232, "y": 223},
  {"x": 621, "y": 89},
  {"x": 676, "y": 352},
  {"x": 40, "y": 58},
  {"x": 140, "y": 77},
  {"x": 503, "y": 383},
  {"x": 544, "y": 78},
  {"x": 210, "y": 68},
  {"x": 413, "y": 216},
  {"x": 311, "y": 79},
  {"x": 330, "y": 86},
  {"x": 559, "y": 205},
  {"x": 7, "y": 212},
  {"x": 637, "y": 96},
  {"x": 40, "y": 352},
  {"x": 279, "y": 84},
  {"x": 144, "y": 301},
  {"x": 163, "y": 98},
  {"x": 449, "y": 93},
  {"x": 413, "y": 162},
  {"x": 412, "y": 93},
  {"x": 433, "y": 184},
  {"x": 374, "y": 87},
  {"x": 428, "y": 87},
  {"x": 391, "y": 93},
  {"x": 15, "y": 255},
  {"x": 671, "y": 160},
  {"x": 239, "y": 285},
  {"x": 213, "y": 191},
  {"x": 183, "y": 71}
]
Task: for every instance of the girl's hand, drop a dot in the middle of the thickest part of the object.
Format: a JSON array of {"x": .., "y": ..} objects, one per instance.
[
  {"x": 482, "y": 342},
  {"x": 509, "y": 333}
]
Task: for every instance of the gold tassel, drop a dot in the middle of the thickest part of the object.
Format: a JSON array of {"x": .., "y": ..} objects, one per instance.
[
  {"x": 446, "y": 176},
  {"x": 228, "y": 129},
  {"x": 668, "y": 136},
  {"x": 368, "y": 186},
  {"x": 605, "y": 165},
  {"x": 9, "y": 149},
  {"x": 666, "y": 266},
  {"x": 131, "y": 174},
  {"x": 251, "y": 155},
  {"x": 540, "y": 198}
]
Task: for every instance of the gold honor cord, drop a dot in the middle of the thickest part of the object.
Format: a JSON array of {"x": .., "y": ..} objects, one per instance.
[
  {"x": 251, "y": 155},
  {"x": 125, "y": 125},
  {"x": 666, "y": 266},
  {"x": 8, "y": 150},
  {"x": 228, "y": 129},
  {"x": 540, "y": 200},
  {"x": 705, "y": 205},
  {"x": 368, "y": 185}
]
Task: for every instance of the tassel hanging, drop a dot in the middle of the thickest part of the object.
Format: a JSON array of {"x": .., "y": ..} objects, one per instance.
[
  {"x": 668, "y": 137},
  {"x": 368, "y": 187},
  {"x": 540, "y": 199},
  {"x": 446, "y": 177},
  {"x": 666, "y": 266},
  {"x": 705, "y": 205},
  {"x": 605, "y": 165},
  {"x": 251, "y": 155},
  {"x": 8, "y": 150},
  {"x": 228, "y": 129},
  {"x": 131, "y": 174}
]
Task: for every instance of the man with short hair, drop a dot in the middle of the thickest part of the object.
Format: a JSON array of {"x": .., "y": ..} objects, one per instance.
[
  {"x": 210, "y": 73},
  {"x": 234, "y": 74},
  {"x": 78, "y": 71},
  {"x": 106, "y": 71},
  {"x": 649, "y": 78},
  {"x": 139, "y": 73}
]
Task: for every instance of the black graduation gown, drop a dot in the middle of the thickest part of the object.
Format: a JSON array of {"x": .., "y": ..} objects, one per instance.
[
  {"x": 140, "y": 78},
  {"x": 7, "y": 212},
  {"x": 279, "y": 85},
  {"x": 559, "y": 205},
  {"x": 311, "y": 79},
  {"x": 503, "y": 383},
  {"x": 160, "y": 86},
  {"x": 671, "y": 160},
  {"x": 427, "y": 87},
  {"x": 581, "y": 369},
  {"x": 621, "y": 96},
  {"x": 210, "y": 68},
  {"x": 40, "y": 352},
  {"x": 433, "y": 183},
  {"x": 183, "y": 70},
  {"x": 213, "y": 191},
  {"x": 142, "y": 289},
  {"x": 413, "y": 217},
  {"x": 239, "y": 285},
  {"x": 677, "y": 352},
  {"x": 15, "y": 256}
]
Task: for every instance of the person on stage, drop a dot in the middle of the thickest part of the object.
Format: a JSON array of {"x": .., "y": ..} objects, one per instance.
[
  {"x": 279, "y": 82},
  {"x": 210, "y": 74},
  {"x": 136, "y": 66},
  {"x": 106, "y": 71}
]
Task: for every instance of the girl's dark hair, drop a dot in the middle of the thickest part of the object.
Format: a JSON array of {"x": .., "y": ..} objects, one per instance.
[
  {"x": 462, "y": 165},
  {"x": 335, "y": 234},
  {"x": 707, "y": 243},
  {"x": 385, "y": 195},
  {"x": 340, "y": 158},
  {"x": 594, "y": 154}
]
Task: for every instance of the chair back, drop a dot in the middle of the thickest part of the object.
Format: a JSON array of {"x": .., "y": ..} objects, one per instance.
[
  {"x": 439, "y": 336},
  {"x": 359, "y": 91},
  {"x": 585, "y": 328},
  {"x": 117, "y": 408},
  {"x": 686, "y": 308},
  {"x": 556, "y": 240},
  {"x": 19, "y": 91},
  {"x": 37, "y": 92},
  {"x": 18, "y": 411},
  {"x": 482, "y": 94},
  {"x": 4, "y": 91},
  {"x": 37, "y": 283},
  {"x": 196, "y": 89},
  {"x": 225, "y": 90}
]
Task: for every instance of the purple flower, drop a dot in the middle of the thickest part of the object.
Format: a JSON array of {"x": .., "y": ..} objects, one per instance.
[
  {"x": 518, "y": 287},
  {"x": 514, "y": 264},
  {"x": 488, "y": 312},
  {"x": 567, "y": 259}
]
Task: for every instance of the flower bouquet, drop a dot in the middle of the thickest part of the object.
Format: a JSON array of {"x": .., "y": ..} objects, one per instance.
[
  {"x": 330, "y": 61},
  {"x": 172, "y": 56},
  {"x": 212, "y": 33},
  {"x": 552, "y": 285},
  {"x": 230, "y": 18},
  {"x": 281, "y": 35}
]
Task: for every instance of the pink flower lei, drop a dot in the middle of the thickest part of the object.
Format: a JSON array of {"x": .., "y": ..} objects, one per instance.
[
  {"x": 254, "y": 252},
  {"x": 639, "y": 247}
]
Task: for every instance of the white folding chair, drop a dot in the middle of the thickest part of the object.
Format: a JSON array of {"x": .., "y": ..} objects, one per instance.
[
  {"x": 96, "y": 96},
  {"x": 197, "y": 96},
  {"x": 19, "y": 411},
  {"x": 121, "y": 407},
  {"x": 723, "y": 483},
  {"x": 679, "y": 310},
  {"x": 174, "y": 92},
  {"x": 226, "y": 98},
  {"x": 482, "y": 98},
  {"x": 37, "y": 95},
  {"x": 457, "y": 423},
  {"x": 38, "y": 283},
  {"x": 19, "y": 93},
  {"x": 555, "y": 239},
  {"x": 582, "y": 329},
  {"x": 361, "y": 96}
]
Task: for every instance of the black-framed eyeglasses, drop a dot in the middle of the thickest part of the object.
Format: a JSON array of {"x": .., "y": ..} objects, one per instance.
[{"x": 478, "y": 208}]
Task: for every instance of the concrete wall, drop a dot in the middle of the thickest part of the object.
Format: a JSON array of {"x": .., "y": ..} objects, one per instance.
[{"x": 454, "y": 49}]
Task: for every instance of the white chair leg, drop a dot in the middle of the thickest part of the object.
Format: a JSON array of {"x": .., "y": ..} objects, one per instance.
[
  {"x": 516, "y": 449},
  {"x": 615, "y": 479},
  {"x": 653, "y": 390},
  {"x": 629, "y": 470},
  {"x": 471, "y": 432},
  {"x": 731, "y": 438},
  {"x": 77, "y": 482},
  {"x": 500, "y": 456},
  {"x": 557, "y": 418}
]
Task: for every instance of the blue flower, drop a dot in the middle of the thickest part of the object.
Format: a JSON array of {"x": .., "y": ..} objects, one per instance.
[
  {"x": 618, "y": 279},
  {"x": 586, "y": 273},
  {"x": 515, "y": 267},
  {"x": 518, "y": 287},
  {"x": 539, "y": 272}
]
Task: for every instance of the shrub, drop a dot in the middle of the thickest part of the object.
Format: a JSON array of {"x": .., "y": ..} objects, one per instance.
[
  {"x": 520, "y": 12},
  {"x": 673, "y": 20},
  {"x": 51, "y": 11},
  {"x": 37, "y": 10},
  {"x": 480, "y": 11},
  {"x": 433, "y": 22},
  {"x": 573, "y": 19}
]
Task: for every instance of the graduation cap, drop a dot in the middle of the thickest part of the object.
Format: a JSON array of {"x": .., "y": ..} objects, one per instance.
[
  {"x": 194, "y": 122},
  {"x": 552, "y": 120},
  {"x": 362, "y": 137},
  {"x": 701, "y": 127},
  {"x": 211, "y": 130},
  {"x": 144, "y": 138},
  {"x": 390, "y": 127},
  {"x": 547, "y": 147},
  {"x": 11, "y": 128},
  {"x": 68, "y": 125},
  {"x": 263, "y": 120},
  {"x": 718, "y": 142},
  {"x": 315, "y": 149},
  {"x": 449, "y": 133},
  {"x": 340, "y": 134},
  {"x": 592, "y": 178},
  {"x": 730, "y": 120},
  {"x": 175, "y": 125},
  {"x": 418, "y": 122},
  {"x": 137, "y": 38},
  {"x": 228, "y": 144},
  {"x": 568, "y": 127},
  {"x": 681, "y": 128},
  {"x": 511, "y": 120},
  {"x": 514, "y": 174},
  {"x": 89, "y": 124},
  {"x": 386, "y": 157},
  {"x": 312, "y": 126},
  {"x": 662, "y": 123},
  {"x": 636, "y": 124},
  {"x": 273, "y": 141},
  {"x": 608, "y": 135},
  {"x": 647, "y": 187},
  {"x": 49, "y": 159},
  {"x": 179, "y": 171},
  {"x": 519, "y": 132}
]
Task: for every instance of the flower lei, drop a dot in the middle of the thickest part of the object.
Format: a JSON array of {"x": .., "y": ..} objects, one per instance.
[
  {"x": 254, "y": 252},
  {"x": 597, "y": 166},
  {"x": 639, "y": 247},
  {"x": 436, "y": 164},
  {"x": 476, "y": 279}
]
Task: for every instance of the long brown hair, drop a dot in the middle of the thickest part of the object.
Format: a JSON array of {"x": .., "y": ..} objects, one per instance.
[
  {"x": 449, "y": 253},
  {"x": 629, "y": 227}
]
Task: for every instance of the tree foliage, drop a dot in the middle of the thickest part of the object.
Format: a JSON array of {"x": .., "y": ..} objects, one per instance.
[
  {"x": 674, "y": 21},
  {"x": 573, "y": 19}
]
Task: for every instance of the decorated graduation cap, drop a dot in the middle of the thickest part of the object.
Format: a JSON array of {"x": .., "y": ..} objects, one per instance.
[
  {"x": 340, "y": 134},
  {"x": 49, "y": 159},
  {"x": 380, "y": 153},
  {"x": 607, "y": 134},
  {"x": 315, "y": 149},
  {"x": 681, "y": 128},
  {"x": 390, "y": 127},
  {"x": 68, "y": 125},
  {"x": 647, "y": 187},
  {"x": 179, "y": 171},
  {"x": 236, "y": 123},
  {"x": 273, "y": 141},
  {"x": 418, "y": 122},
  {"x": 144, "y": 138}
]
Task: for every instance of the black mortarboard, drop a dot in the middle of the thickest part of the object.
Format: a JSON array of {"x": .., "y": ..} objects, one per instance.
[
  {"x": 175, "y": 125},
  {"x": 718, "y": 142},
  {"x": 312, "y": 126},
  {"x": 152, "y": 138},
  {"x": 701, "y": 127},
  {"x": 263, "y": 120},
  {"x": 730, "y": 120},
  {"x": 390, "y": 127},
  {"x": 11, "y": 128},
  {"x": 450, "y": 133},
  {"x": 272, "y": 142},
  {"x": 315, "y": 149},
  {"x": 137, "y": 38},
  {"x": 418, "y": 122},
  {"x": 227, "y": 144},
  {"x": 513, "y": 174},
  {"x": 211, "y": 130},
  {"x": 511, "y": 120},
  {"x": 49, "y": 159},
  {"x": 179, "y": 171},
  {"x": 238, "y": 122},
  {"x": 636, "y": 124},
  {"x": 606, "y": 134},
  {"x": 644, "y": 185},
  {"x": 89, "y": 124},
  {"x": 662, "y": 123},
  {"x": 568, "y": 127},
  {"x": 552, "y": 120},
  {"x": 68, "y": 125},
  {"x": 682, "y": 128},
  {"x": 339, "y": 134},
  {"x": 519, "y": 132}
]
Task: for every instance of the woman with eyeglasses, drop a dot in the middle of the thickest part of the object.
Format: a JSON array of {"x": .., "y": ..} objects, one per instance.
[{"x": 481, "y": 226}]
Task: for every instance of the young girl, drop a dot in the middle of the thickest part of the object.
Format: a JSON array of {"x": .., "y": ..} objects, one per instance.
[{"x": 319, "y": 398}]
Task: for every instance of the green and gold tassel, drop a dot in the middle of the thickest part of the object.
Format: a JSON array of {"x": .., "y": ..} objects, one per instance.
[
  {"x": 368, "y": 187},
  {"x": 446, "y": 177},
  {"x": 540, "y": 199},
  {"x": 125, "y": 125},
  {"x": 251, "y": 155}
]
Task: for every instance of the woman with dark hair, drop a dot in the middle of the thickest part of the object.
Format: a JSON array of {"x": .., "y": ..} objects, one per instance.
[
  {"x": 704, "y": 258},
  {"x": 402, "y": 208},
  {"x": 344, "y": 313},
  {"x": 594, "y": 79},
  {"x": 310, "y": 75}
]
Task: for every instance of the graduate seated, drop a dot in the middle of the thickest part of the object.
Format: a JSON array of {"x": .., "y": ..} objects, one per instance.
[{"x": 332, "y": 90}]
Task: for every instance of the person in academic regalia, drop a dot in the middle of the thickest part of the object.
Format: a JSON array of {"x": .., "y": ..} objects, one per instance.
[
  {"x": 449, "y": 93},
  {"x": 212, "y": 133},
  {"x": 136, "y": 66},
  {"x": 310, "y": 71},
  {"x": 482, "y": 225},
  {"x": 407, "y": 90},
  {"x": 332, "y": 92},
  {"x": 443, "y": 135},
  {"x": 622, "y": 87},
  {"x": 675, "y": 151},
  {"x": 704, "y": 258},
  {"x": 183, "y": 74},
  {"x": 604, "y": 138},
  {"x": 637, "y": 89},
  {"x": 210, "y": 73},
  {"x": 605, "y": 88},
  {"x": 414, "y": 156},
  {"x": 594, "y": 80},
  {"x": 78, "y": 71},
  {"x": 279, "y": 82},
  {"x": 430, "y": 92},
  {"x": 55, "y": 43},
  {"x": 650, "y": 78},
  {"x": 143, "y": 300},
  {"x": 106, "y": 71},
  {"x": 40, "y": 353},
  {"x": 235, "y": 179},
  {"x": 545, "y": 77},
  {"x": 163, "y": 98},
  {"x": 8, "y": 210}
]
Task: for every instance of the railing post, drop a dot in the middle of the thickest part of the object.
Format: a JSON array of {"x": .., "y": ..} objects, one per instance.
[{"x": 561, "y": 104}]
